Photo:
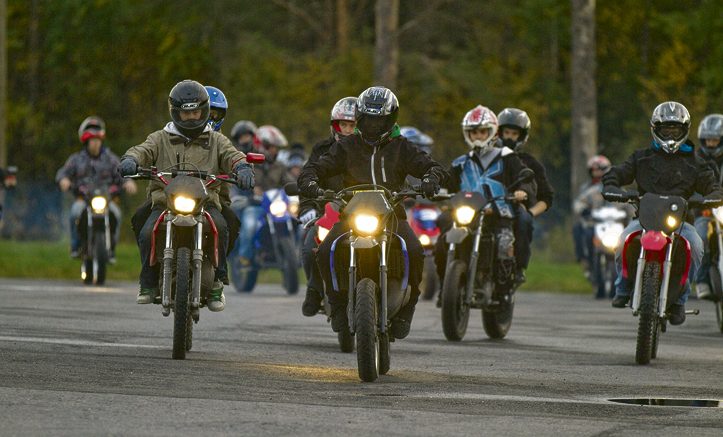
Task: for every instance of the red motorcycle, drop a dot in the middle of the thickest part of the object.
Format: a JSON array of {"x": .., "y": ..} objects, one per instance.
[{"x": 422, "y": 219}]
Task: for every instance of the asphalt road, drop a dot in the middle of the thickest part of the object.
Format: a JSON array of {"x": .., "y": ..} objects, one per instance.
[{"x": 78, "y": 360}]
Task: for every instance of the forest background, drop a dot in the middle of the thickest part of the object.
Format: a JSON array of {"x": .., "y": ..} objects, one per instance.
[{"x": 285, "y": 62}]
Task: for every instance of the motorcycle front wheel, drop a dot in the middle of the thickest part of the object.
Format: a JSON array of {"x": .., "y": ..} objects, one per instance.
[
  {"x": 366, "y": 322},
  {"x": 181, "y": 313},
  {"x": 289, "y": 265},
  {"x": 497, "y": 321},
  {"x": 100, "y": 255},
  {"x": 648, "y": 324},
  {"x": 430, "y": 281},
  {"x": 455, "y": 314}
]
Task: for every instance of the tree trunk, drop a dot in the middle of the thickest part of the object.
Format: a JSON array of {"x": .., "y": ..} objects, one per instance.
[
  {"x": 342, "y": 26},
  {"x": 584, "y": 97},
  {"x": 386, "y": 47},
  {"x": 3, "y": 83}
]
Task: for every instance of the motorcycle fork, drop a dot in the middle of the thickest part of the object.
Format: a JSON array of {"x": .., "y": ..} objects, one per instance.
[
  {"x": 351, "y": 294},
  {"x": 473, "y": 257},
  {"x": 720, "y": 246},
  {"x": 106, "y": 221},
  {"x": 274, "y": 239},
  {"x": 197, "y": 260},
  {"x": 667, "y": 264},
  {"x": 383, "y": 283},
  {"x": 167, "y": 268}
]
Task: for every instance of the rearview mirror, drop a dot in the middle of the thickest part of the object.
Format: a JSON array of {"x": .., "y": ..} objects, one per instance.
[
  {"x": 255, "y": 158},
  {"x": 292, "y": 189}
]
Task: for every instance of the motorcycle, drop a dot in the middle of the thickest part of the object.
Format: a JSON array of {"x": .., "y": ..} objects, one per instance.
[
  {"x": 275, "y": 244},
  {"x": 189, "y": 251},
  {"x": 480, "y": 270},
  {"x": 423, "y": 221},
  {"x": 96, "y": 227},
  {"x": 716, "y": 268},
  {"x": 609, "y": 223},
  {"x": 376, "y": 264},
  {"x": 662, "y": 265}
]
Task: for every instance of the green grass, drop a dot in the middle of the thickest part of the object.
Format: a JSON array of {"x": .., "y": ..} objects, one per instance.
[{"x": 34, "y": 259}]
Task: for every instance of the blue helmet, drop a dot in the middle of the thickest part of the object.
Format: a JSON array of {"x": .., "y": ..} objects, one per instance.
[
  {"x": 219, "y": 105},
  {"x": 418, "y": 138}
]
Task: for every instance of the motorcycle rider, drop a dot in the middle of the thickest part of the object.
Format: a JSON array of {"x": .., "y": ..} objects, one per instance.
[
  {"x": 243, "y": 134},
  {"x": 219, "y": 106},
  {"x": 589, "y": 198},
  {"x": 378, "y": 154},
  {"x": 514, "y": 132},
  {"x": 342, "y": 123},
  {"x": 190, "y": 135},
  {"x": 484, "y": 165},
  {"x": 94, "y": 163},
  {"x": 270, "y": 174},
  {"x": 668, "y": 167},
  {"x": 710, "y": 132},
  {"x": 8, "y": 180}
]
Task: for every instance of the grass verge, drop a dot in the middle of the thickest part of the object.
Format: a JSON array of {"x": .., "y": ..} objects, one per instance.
[{"x": 35, "y": 259}]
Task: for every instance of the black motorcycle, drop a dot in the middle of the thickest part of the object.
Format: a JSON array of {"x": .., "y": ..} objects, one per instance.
[
  {"x": 480, "y": 270},
  {"x": 371, "y": 261},
  {"x": 96, "y": 226},
  {"x": 189, "y": 251}
]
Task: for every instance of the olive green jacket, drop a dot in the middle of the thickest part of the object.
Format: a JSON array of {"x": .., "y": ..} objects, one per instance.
[{"x": 211, "y": 152}]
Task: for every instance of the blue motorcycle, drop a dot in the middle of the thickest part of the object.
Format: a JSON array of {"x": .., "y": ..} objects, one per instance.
[{"x": 274, "y": 246}]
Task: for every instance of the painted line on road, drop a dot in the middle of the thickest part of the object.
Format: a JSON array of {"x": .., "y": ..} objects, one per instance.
[
  {"x": 62, "y": 288},
  {"x": 76, "y": 342},
  {"x": 482, "y": 396}
]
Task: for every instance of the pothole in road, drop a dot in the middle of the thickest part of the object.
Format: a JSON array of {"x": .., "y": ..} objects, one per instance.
[{"x": 663, "y": 402}]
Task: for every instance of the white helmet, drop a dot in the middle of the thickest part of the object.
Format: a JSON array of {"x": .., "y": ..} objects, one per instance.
[
  {"x": 480, "y": 117},
  {"x": 344, "y": 109},
  {"x": 669, "y": 125}
]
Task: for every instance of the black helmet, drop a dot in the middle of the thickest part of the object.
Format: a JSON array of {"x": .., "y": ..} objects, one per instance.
[
  {"x": 189, "y": 95},
  {"x": 377, "y": 110},
  {"x": 669, "y": 125},
  {"x": 711, "y": 128},
  {"x": 242, "y": 127},
  {"x": 516, "y": 119}
]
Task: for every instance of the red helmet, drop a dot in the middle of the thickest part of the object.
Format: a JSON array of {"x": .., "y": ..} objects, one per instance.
[
  {"x": 598, "y": 162},
  {"x": 344, "y": 109},
  {"x": 91, "y": 127},
  {"x": 480, "y": 117}
]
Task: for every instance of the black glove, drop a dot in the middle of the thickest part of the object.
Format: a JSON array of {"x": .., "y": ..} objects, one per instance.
[
  {"x": 245, "y": 176},
  {"x": 430, "y": 185},
  {"x": 128, "y": 166},
  {"x": 310, "y": 190},
  {"x": 614, "y": 194}
]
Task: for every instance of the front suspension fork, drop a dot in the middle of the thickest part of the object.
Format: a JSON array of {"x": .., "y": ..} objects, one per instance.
[
  {"x": 472, "y": 270},
  {"x": 197, "y": 260},
  {"x": 167, "y": 269}
]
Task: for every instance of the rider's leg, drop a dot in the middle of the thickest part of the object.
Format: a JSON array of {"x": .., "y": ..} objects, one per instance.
[
  {"x": 249, "y": 217},
  {"x": 117, "y": 216},
  {"x": 696, "y": 257},
  {"x": 702, "y": 279},
  {"x": 140, "y": 216},
  {"x": 75, "y": 211},
  {"x": 622, "y": 286},
  {"x": 337, "y": 298},
  {"x": 149, "y": 274},
  {"x": 523, "y": 238},
  {"x": 314, "y": 284},
  {"x": 403, "y": 319},
  {"x": 233, "y": 223}
]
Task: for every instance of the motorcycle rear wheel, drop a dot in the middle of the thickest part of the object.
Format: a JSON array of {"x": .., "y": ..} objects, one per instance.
[
  {"x": 181, "y": 313},
  {"x": 455, "y": 314},
  {"x": 367, "y": 339},
  {"x": 648, "y": 312}
]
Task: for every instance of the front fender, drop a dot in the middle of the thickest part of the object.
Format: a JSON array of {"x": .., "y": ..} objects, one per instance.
[{"x": 654, "y": 241}]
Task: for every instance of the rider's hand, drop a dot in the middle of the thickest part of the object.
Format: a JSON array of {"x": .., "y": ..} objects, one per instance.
[
  {"x": 245, "y": 176},
  {"x": 64, "y": 184},
  {"x": 430, "y": 185},
  {"x": 308, "y": 216},
  {"x": 130, "y": 187},
  {"x": 613, "y": 193},
  {"x": 520, "y": 196},
  {"x": 128, "y": 166},
  {"x": 310, "y": 189}
]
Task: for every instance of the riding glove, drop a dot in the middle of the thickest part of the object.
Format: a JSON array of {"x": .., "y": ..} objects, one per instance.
[
  {"x": 245, "y": 176},
  {"x": 128, "y": 166},
  {"x": 310, "y": 189},
  {"x": 430, "y": 185}
]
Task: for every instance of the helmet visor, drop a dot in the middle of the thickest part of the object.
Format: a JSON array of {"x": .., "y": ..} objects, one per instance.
[
  {"x": 670, "y": 131},
  {"x": 373, "y": 128}
]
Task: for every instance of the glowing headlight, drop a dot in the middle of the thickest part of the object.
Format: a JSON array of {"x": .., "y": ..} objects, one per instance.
[
  {"x": 277, "y": 208},
  {"x": 464, "y": 215},
  {"x": 425, "y": 240},
  {"x": 294, "y": 208},
  {"x": 98, "y": 204},
  {"x": 322, "y": 233},
  {"x": 184, "y": 204},
  {"x": 671, "y": 221},
  {"x": 366, "y": 224},
  {"x": 610, "y": 240}
]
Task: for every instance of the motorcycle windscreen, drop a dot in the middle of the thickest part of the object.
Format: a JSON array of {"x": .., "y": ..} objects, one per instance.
[
  {"x": 368, "y": 202},
  {"x": 472, "y": 199},
  {"x": 187, "y": 186},
  {"x": 656, "y": 211}
]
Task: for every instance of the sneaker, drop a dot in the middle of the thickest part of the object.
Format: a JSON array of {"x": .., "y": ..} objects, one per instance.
[
  {"x": 339, "y": 319},
  {"x": 146, "y": 295},
  {"x": 402, "y": 323},
  {"x": 216, "y": 300},
  {"x": 620, "y": 301},
  {"x": 312, "y": 303},
  {"x": 703, "y": 291},
  {"x": 677, "y": 314}
]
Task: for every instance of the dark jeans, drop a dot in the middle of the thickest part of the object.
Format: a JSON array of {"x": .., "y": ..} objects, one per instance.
[
  {"x": 583, "y": 235},
  {"x": 308, "y": 254},
  {"x": 150, "y": 274},
  {"x": 416, "y": 262},
  {"x": 141, "y": 215}
]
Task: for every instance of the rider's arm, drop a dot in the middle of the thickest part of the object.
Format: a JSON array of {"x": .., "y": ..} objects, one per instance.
[
  {"x": 228, "y": 156},
  {"x": 146, "y": 153},
  {"x": 545, "y": 192},
  {"x": 706, "y": 183},
  {"x": 68, "y": 170},
  {"x": 329, "y": 164},
  {"x": 418, "y": 163},
  {"x": 623, "y": 174}
]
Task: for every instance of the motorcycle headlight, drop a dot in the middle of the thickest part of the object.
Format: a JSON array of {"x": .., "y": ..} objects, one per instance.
[
  {"x": 425, "y": 240},
  {"x": 464, "y": 215},
  {"x": 98, "y": 204},
  {"x": 366, "y": 224},
  {"x": 294, "y": 208},
  {"x": 321, "y": 233},
  {"x": 610, "y": 240},
  {"x": 277, "y": 208},
  {"x": 184, "y": 204},
  {"x": 671, "y": 221}
]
